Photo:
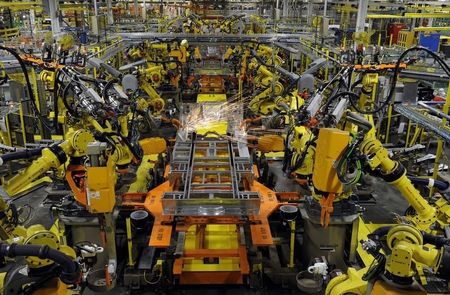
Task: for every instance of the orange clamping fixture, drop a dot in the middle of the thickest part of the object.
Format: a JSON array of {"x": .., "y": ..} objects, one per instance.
[
  {"x": 379, "y": 67},
  {"x": 75, "y": 177},
  {"x": 108, "y": 279},
  {"x": 326, "y": 203}
]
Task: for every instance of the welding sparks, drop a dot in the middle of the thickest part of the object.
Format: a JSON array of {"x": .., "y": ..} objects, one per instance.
[{"x": 208, "y": 115}]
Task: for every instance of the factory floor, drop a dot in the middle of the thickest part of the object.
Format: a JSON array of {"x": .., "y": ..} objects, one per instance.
[{"x": 389, "y": 202}]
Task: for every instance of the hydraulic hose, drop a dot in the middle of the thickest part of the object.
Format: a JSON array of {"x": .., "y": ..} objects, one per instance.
[
  {"x": 302, "y": 157},
  {"x": 70, "y": 271},
  {"x": 23, "y": 154},
  {"x": 65, "y": 92},
  {"x": 440, "y": 185},
  {"x": 345, "y": 162},
  {"x": 438, "y": 241},
  {"x": 381, "y": 231},
  {"x": 108, "y": 86}
]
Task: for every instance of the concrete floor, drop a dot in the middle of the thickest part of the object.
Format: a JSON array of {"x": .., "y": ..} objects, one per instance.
[{"x": 389, "y": 201}]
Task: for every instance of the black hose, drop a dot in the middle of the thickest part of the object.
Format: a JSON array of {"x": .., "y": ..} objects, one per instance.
[
  {"x": 357, "y": 82},
  {"x": 107, "y": 86},
  {"x": 66, "y": 104},
  {"x": 438, "y": 241},
  {"x": 442, "y": 186},
  {"x": 70, "y": 271},
  {"x": 288, "y": 154},
  {"x": 341, "y": 80},
  {"x": 290, "y": 86},
  {"x": 390, "y": 95},
  {"x": 348, "y": 161},
  {"x": 125, "y": 140},
  {"x": 302, "y": 157},
  {"x": 381, "y": 231},
  {"x": 23, "y": 154},
  {"x": 29, "y": 88}
]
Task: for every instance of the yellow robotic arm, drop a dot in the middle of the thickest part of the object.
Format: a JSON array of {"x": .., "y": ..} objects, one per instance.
[
  {"x": 408, "y": 249},
  {"x": 428, "y": 218},
  {"x": 181, "y": 54},
  {"x": 265, "y": 79},
  {"x": 303, "y": 152},
  {"x": 409, "y": 252},
  {"x": 52, "y": 157},
  {"x": 228, "y": 54},
  {"x": 261, "y": 103},
  {"x": 394, "y": 173},
  {"x": 149, "y": 78},
  {"x": 197, "y": 54}
]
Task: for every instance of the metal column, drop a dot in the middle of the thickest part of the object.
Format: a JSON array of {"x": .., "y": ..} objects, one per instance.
[
  {"x": 286, "y": 8},
  {"x": 109, "y": 12},
  {"x": 309, "y": 12},
  {"x": 95, "y": 8},
  {"x": 54, "y": 7},
  {"x": 95, "y": 24},
  {"x": 362, "y": 15},
  {"x": 144, "y": 11}
]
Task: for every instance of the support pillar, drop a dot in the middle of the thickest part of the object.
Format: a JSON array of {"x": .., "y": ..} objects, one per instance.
[
  {"x": 54, "y": 8},
  {"x": 362, "y": 15},
  {"x": 109, "y": 12}
]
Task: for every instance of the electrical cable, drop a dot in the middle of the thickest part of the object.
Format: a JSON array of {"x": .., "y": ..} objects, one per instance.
[
  {"x": 14, "y": 217},
  {"x": 376, "y": 268},
  {"x": 346, "y": 162},
  {"x": 107, "y": 87},
  {"x": 29, "y": 87},
  {"x": 71, "y": 111},
  {"x": 29, "y": 216},
  {"x": 397, "y": 70}
]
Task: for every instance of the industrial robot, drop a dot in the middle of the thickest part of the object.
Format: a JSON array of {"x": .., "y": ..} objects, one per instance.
[{"x": 407, "y": 250}]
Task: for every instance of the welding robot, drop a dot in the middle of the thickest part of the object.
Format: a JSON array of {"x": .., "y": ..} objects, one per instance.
[
  {"x": 408, "y": 248},
  {"x": 94, "y": 157},
  {"x": 330, "y": 213}
]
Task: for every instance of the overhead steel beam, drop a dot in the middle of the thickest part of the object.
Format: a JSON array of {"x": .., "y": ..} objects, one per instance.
[{"x": 213, "y": 38}]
